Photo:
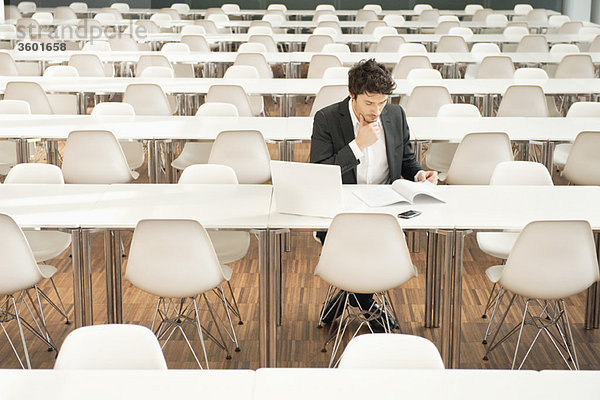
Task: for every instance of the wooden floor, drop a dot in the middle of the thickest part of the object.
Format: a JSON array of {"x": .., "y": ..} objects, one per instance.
[{"x": 300, "y": 341}]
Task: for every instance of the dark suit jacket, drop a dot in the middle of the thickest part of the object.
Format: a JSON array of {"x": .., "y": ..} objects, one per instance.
[{"x": 333, "y": 131}]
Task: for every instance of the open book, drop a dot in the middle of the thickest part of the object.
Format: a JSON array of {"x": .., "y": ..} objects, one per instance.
[{"x": 401, "y": 190}]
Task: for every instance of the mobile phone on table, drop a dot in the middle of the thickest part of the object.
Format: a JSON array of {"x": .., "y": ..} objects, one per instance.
[{"x": 409, "y": 214}]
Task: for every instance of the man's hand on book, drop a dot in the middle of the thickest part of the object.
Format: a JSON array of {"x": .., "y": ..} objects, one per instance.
[{"x": 431, "y": 176}]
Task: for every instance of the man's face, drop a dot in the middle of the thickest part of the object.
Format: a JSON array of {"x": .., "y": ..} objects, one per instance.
[{"x": 369, "y": 105}]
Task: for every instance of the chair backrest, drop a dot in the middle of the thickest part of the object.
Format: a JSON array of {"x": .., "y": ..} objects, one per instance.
[
  {"x": 477, "y": 156},
  {"x": 105, "y": 18},
  {"x": 555, "y": 21},
  {"x": 173, "y": 47},
  {"x": 328, "y": 95},
  {"x": 208, "y": 25},
  {"x": 471, "y": 9},
  {"x": 162, "y": 19},
  {"x": 336, "y": 48},
  {"x": 196, "y": 42},
  {"x": 113, "y": 108},
  {"x": 570, "y": 27},
  {"x": 208, "y": 173},
  {"x": 319, "y": 63},
  {"x": 315, "y": 43},
  {"x": 537, "y": 15},
  {"x": 217, "y": 110},
  {"x": 408, "y": 63},
  {"x": 18, "y": 268},
  {"x": 521, "y": 173},
  {"x": 336, "y": 73},
  {"x": 94, "y": 157},
  {"x": 485, "y": 48},
  {"x": 563, "y": 48},
  {"x": 250, "y": 47},
  {"x": 389, "y": 44},
  {"x": 326, "y": 30},
  {"x": 522, "y": 9},
  {"x": 444, "y": 18},
  {"x": 412, "y": 48},
  {"x": 44, "y": 18},
  {"x": 241, "y": 71},
  {"x": 458, "y": 110},
  {"x": 230, "y": 8},
  {"x": 533, "y": 44},
  {"x": 371, "y": 25},
  {"x": 273, "y": 18},
  {"x": 277, "y": 6},
  {"x": 88, "y": 65},
  {"x": 155, "y": 60},
  {"x": 394, "y": 20},
  {"x": 375, "y": 7},
  {"x": 30, "y": 92},
  {"x": 64, "y": 14},
  {"x": 61, "y": 71},
  {"x": 157, "y": 72},
  {"x": 14, "y": 107},
  {"x": 123, "y": 42},
  {"x": 365, "y": 253},
  {"x": 79, "y": 7},
  {"x": 429, "y": 15},
  {"x": 8, "y": 66},
  {"x": 551, "y": 260},
  {"x": 172, "y": 258},
  {"x": 148, "y": 25},
  {"x": 181, "y": 8},
  {"x": 325, "y": 7},
  {"x": 27, "y": 7},
  {"x": 523, "y": 101},
  {"x": 266, "y": 40},
  {"x": 530, "y": 73},
  {"x": 452, "y": 44},
  {"x": 497, "y": 67},
  {"x": 576, "y": 66},
  {"x": 246, "y": 152},
  {"x": 496, "y": 21},
  {"x": 463, "y": 31},
  {"x": 192, "y": 30},
  {"x": 515, "y": 31},
  {"x": 121, "y": 7},
  {"x": 34, "y": 173},
  {"x": 424, "y": 73},
  {"x": 258, "y": 61},
  {"x": 147, "y": 99},
  {"x": 419, "y": 8},
  {"x": 260, "y": 30},
  {"x": 584, "y": 109},
  {"x": 11, "y": 13},
  {"x": 444, "y": 27},
  {"x": 583, "y": 164},
  {"x": 390, "y": 351},
  {"x": 232, "y": 94},
  {"x": 97, "y": 45},
  {"x": 425, "y": 101},
  {"x": 366, "y": 15},
  {"x": 381, "y": 31}
]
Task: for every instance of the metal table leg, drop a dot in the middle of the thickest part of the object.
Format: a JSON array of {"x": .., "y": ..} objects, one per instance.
[
  {"x": 451, "y": 271},
  {"x": 114, "y": 289},
  {"x": 82, "y": 277},
  {"x": 592, "y": 308},
  {"x": 266, "y": 325}
]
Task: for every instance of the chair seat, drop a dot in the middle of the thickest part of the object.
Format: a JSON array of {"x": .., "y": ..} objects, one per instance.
[
  {"x": 46, "y": 245},
  {"x": 230, "y": 246},
  {"x": 561, "y": 153},
  {"x": 134, "y": 153},
  {"x": 227, "y": 271},
  {"x": 47, "y": 271},
  {"x": 497, "y": 244},
  {"x": 439, "y": 156},
  {"x": 257, "y": 104},
  {"x": 494, "y": 273},
  {"x": 192, "y": 153}
]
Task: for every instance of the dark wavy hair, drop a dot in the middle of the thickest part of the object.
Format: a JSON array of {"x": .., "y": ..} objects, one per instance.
[{"x": 369, "y": 76}]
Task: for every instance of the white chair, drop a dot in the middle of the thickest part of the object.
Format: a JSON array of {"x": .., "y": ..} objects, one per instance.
[
  {"x": 532, "y": 44},
  {"x": 476, "y": 158},
  {"x": 423, "y": 73},
  {"x": 408, "y": 63},
  {"x": 181, "y": 8},
  {"x": 8, "y": 149},
  {"x": 336, "y": 73},
  {"x": 315, "y": 43},
  {"x": 105, "y": 18},
  {"x": 550, "y": 261},
  {"x": 394, "y": 20},
  {"x": 123, "y": 43},
  {"x": 198, "y": 152},
  {"x": 278, "y": 7},
  {"x": 190, "y": 274},
  {"x": 230, "y": 8},
  {"x": 173, "y": 47},
  {"x": 523, "y": 101},
  {"x": 412, "y": 48},
  {"x": 232, "y": 94},
  {"x": 90, "y": 65},
  {"x": 260, "y": 30},
  {"x": 375, "y": 7},
  {"x": 419, "y": 8},
  {"x": 266, "y": 40},
  {"x": 79, "y": 7},
  {"x": 157, "y": 60},
  {"x": 97, "y": 45},
  {"x": 157, "y": 72},
  {"x": 61, "y": 71},
  {"x": 121, "y": 7},
  {"x": 325, "y": 7},
  {"x": 327, "y": 95},
  {"x": 208, "y": 25},
  {"x": 425, "y": 101},
  {"x": 256, "y": 60},
  {"x": 522, "y": 9},
  {"x": 570, "y": 28},
  {"x": 32, "y": 93},
  {"x": 319, "y": 63},
  {"x": 336, "y": 48},
  {"x": 485, "y": 48},
  {"x": 582, "y": 109},
  {"x": 246, "y": 152},
  {"x": 482, "y": 14},
  {"x": 243, "y": 72},
  {"x": 564, "y": 48},
  {"x": 496, "y": 21},
  {"x": 19, "y": 272},
  {"x": 196, "y": 42},
  {"x": 192, "y": 30},
  {"x": 274, "y": 20},
  {"x": 515, "y": 31},
  {"x": 43, "y": 18},
  {"x": 589, "y": 31},
  {"x": 471, "y": 9},
  {"x": 430, "y": 15},
  {"x": 64, "y": 15},
  {"x": 463, "y": 31},
  {"x": 537, "y": 15},
  {"x": 555, "y": 21},
  {"x": 444, "y": 27},
  {"x": 133, "y": 150},
  {"x": 452, "y": 44},
  {"x": 526, "y": 74},
  {"x": 252, "y": 48},
  {"x": 115, "y": 346},
  {"x": 371, "y": 25},
  {"x": 147, "y": 99},
  {"x": 439, "y": 155},
  {"x": 582, "y": 166},
  {"x": 366, "y": 15},
  {"x": 500, "y": 244},
  {"x": 326, "y": 30},
  {"x": 95, "y": 157},
  {"x": 575, "y": 66},
  {"x": 26, "y": 7},
  {"x": 363, "y": 253},
  {"x": 383, "y": 31},
  {"x": 496, "y": 67},
  {"x": 389, "y": 44},
  {"x": 390, "y": 351}
]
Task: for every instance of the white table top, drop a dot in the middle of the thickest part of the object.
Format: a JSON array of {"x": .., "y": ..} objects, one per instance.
[
  {"x": 308, "y": 383},
  {"x": 126, "y": 384},
  {"x": 49, "y": 206},
  {"x": 215, "y": 206},
  {"x": 581, "y": 384}
]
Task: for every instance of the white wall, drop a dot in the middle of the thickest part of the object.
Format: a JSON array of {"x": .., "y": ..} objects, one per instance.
[{"x": 578, "y": 10}]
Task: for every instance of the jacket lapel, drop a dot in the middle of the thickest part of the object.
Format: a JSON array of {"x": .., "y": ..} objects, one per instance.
[
  {"x": 390, "y": 142},
  {"x": 345, "y": 121}
]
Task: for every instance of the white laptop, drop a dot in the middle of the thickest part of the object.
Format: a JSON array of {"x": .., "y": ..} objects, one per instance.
[{"x": 307, "y": 189}]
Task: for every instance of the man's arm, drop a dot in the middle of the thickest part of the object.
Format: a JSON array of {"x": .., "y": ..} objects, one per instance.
[
  {"x": 410, "y": 165},
  {"x": 323, "y": 145}
]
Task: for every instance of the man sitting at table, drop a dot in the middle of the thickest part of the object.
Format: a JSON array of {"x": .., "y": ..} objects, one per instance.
[{"x": 369, "y": 139}]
